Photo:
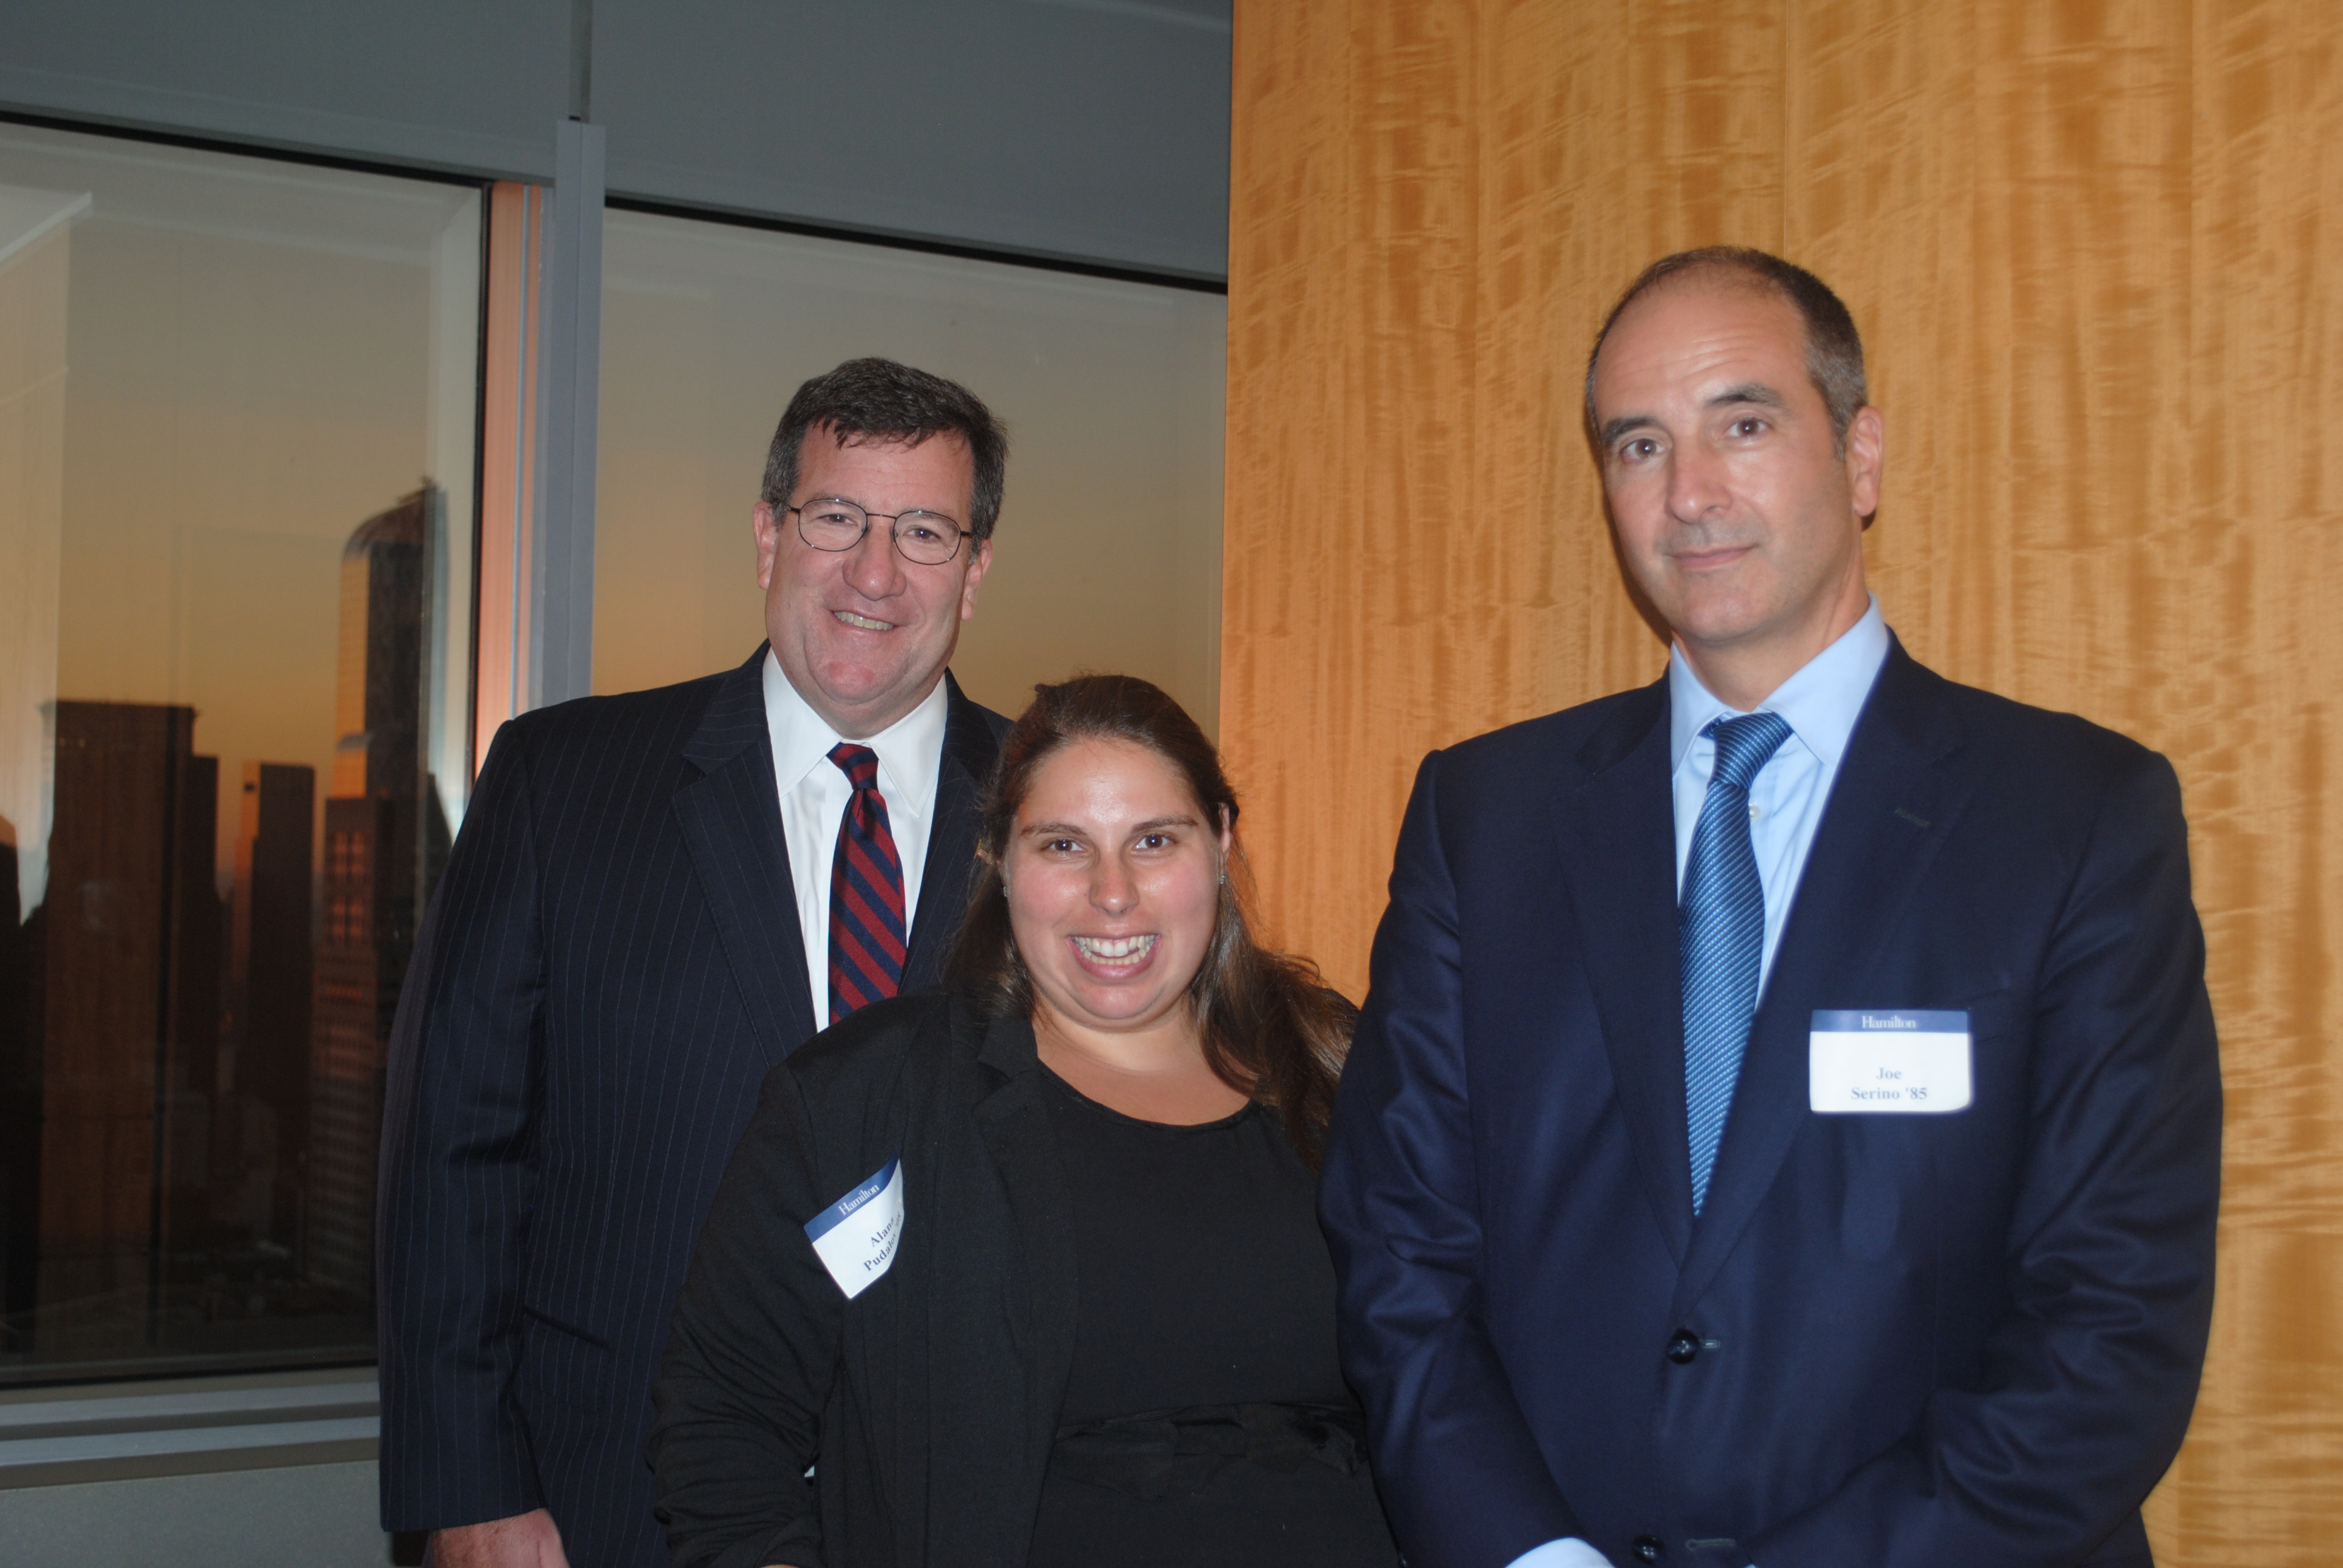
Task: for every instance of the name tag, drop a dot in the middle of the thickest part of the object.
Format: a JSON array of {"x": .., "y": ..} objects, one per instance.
[
  {"x": 856, "y": 1237},
  {"x": 1901, "y": 1062}
]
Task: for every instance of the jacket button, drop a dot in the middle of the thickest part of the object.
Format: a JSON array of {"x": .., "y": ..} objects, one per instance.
[
  {"x": 1681, "y": 1347},
  {"x": 1649, "y": 1549}
]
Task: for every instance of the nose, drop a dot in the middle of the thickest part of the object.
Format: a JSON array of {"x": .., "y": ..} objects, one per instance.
[
  {"x": 1112, "y": 890},
  {"x": 1695, "y": 483},
  {"x": 873, "y": 569}
]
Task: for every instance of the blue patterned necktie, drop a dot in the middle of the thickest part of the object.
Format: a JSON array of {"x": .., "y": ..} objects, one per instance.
[
  {"x": 1721, "y": 928},
  {"x": 867, "y": 928}
]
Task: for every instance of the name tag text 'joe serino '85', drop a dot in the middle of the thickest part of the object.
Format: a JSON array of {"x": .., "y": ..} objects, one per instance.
[{"x": 1888, "y": 1062}]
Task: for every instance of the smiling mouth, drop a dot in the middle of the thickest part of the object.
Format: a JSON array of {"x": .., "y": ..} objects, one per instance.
[
  {"x": 1720, "y": 555},
  {"x": 861, "y": 622},
  {"x": 1114, "y": 952}
]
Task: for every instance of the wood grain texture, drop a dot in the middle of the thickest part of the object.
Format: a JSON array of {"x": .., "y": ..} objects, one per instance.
[{"x": 2095, "y": 247}]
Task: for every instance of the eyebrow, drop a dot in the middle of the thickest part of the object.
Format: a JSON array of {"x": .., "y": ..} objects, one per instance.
[
  {"x": 849, "y": 501},
  {"x": 1615, "y": 428},
  {"x": 1755, "y": 392},
  {"x": 1155, "y": 824},
  {"x": 1069, "y": 830}
]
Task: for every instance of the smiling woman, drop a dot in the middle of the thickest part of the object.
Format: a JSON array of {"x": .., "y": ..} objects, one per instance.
[
  {"x": 1112, "y": 905},
  {"x": 1094, "y": 1162},
  {"x": 1110, "y": 820}
]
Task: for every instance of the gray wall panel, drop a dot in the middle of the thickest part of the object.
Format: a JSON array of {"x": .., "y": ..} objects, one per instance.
[
  {"x": 441, "y": 82},
  {"x": 304, "y": 1516},
  {"x": 1087, "y": 130},
  {"x": 1095, "y": 129}
]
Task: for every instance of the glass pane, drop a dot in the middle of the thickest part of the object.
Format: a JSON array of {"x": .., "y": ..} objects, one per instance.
[
  {"x": 1108, "y": 554},
  {"x": 237, "y": 406}
]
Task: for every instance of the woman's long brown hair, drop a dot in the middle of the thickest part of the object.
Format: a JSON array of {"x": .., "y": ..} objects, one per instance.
[{"x": 1271, "y": 1027}]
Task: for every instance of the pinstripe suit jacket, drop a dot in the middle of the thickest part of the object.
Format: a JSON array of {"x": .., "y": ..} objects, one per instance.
[{"x": 610, "y": 966}]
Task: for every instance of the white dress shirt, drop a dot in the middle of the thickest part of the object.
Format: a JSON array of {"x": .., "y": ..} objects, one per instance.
[
  {"x": 1820, "y": 704},
  {"x": 814, "y": 795}
]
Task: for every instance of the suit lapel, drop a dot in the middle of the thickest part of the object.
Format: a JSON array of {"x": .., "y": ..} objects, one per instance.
[
  {"x": 1889, "y": 811},
  {"x": 731, "y": 819},
  {"x": 1618, "y": 839},
  {"x": 967, "y": 766}
]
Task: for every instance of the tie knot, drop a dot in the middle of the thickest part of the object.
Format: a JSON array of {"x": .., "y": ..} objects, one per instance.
[
  {"x": 858, "y": 763},
  {"x": 1743, "y": 744}
]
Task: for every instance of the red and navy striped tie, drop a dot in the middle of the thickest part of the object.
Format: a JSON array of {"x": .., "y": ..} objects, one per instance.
[{"x": 866, "y": 892}]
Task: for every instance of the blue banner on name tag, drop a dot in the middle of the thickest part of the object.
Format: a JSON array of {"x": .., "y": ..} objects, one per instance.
[
  {"x": 837, "y": 1214},
  {"x": 856, "y": 1237},
  {"x": 1866, "y": 1020}
]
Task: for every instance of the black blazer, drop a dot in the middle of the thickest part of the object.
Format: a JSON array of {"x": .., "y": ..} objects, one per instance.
[
  {"x": 931, "y": 1399},
  {"x": 611, "y": 966},
  {"x": 1890, "y": 1341}
]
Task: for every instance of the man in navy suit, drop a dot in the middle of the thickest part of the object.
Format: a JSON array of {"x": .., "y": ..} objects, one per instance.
[
  {"x": 655, "y": 899},
  {"x": 1785, "y": 1126}
]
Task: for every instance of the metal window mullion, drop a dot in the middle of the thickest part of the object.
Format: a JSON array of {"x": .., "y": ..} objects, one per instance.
[{"x": 570, "y": 348}]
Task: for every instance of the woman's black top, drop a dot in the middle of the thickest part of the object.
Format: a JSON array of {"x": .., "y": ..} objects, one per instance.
[
  {"x": 1205, "y": 1419},
  {"x": 920, "y": 1423}
]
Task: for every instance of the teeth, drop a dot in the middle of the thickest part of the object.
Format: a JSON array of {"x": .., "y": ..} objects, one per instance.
[
  {"x": 1115, "y": 949},
  {"x": 848, "y": 617}
]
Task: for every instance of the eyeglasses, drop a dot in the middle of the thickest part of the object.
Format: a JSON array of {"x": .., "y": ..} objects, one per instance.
[{"x": 835, "y": 524}]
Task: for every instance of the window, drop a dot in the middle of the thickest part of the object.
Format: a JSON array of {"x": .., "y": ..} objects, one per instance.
[
  {"x": 238, "y": 404},
  {"x": 244, "y": 613},
  {"x": 1108, "y": 554}
]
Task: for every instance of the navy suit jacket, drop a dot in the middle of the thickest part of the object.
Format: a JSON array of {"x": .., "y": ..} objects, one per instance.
[
  {"x": 1933, "y": 1340},
  {"x": 611, "y": 964}
]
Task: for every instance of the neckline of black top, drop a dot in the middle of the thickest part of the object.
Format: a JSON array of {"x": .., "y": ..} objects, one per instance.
[{"x": 1077, "y": 1097}]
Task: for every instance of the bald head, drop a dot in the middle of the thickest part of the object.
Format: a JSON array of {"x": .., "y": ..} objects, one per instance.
[{"x": 1834, "y": 349}]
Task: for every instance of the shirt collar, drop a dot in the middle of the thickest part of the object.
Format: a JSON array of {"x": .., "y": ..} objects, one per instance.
[
  {"x": 1821, "y": 701},
  {"x": 910, "y": 751}
]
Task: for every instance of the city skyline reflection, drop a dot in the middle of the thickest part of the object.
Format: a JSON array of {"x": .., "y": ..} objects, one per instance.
[
  {"x": 235, "y": 612},
  {"x": 206, "y": 1049}
]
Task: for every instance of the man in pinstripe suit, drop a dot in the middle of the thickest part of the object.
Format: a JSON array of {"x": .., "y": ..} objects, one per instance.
[{"x": 656, "y": 898}]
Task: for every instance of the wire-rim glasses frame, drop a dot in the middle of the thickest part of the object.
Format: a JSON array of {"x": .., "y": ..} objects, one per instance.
[{"x": 835, "y": 525}]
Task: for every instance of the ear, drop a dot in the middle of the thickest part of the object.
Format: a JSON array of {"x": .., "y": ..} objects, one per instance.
[
  {"x": 768, "y": 530},
  {"x": 1228, "y": 836},
  {"x": 979, "y": 560},
  {"x": 1867, "y": 456}
]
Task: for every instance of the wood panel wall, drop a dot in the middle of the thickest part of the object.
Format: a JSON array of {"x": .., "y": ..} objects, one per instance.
[{"x": 2095, "y": 247}]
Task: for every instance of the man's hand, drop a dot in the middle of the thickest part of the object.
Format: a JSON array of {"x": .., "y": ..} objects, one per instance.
[{"x": 524, "y": 1541}]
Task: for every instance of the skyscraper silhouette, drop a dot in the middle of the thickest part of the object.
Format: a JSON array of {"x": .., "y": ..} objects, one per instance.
[
  {"x": 127, "y": 1016},
  {"x": 374, "y": 871},
  {"x": 263, "y": 1130},
  {"x": 20, "y": 1106}
]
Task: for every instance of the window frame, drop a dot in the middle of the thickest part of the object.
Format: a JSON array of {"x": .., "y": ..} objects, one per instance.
[{"x": 515, "y": 341}]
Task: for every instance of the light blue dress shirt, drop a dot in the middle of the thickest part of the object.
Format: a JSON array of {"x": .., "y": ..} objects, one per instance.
[{"x": 1820, "y": 704}]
